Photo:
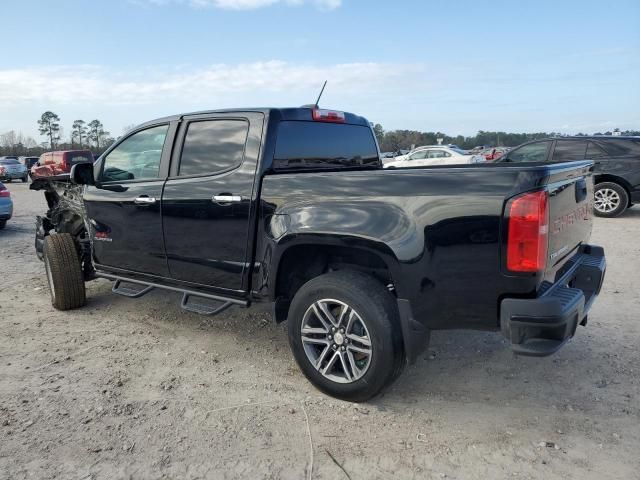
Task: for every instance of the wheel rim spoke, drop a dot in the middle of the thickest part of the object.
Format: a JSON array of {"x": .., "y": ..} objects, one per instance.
[
  {"x": 314, "y": 331},
  {"x": 343, "y": 313},
  {"x": 331, "y": 363},
  {"x": 323, "y": 314},
  {"x": 319, "y": 341},
  {"x": 345, "y": 368},
  {"x": 357, "y": 349},
  {"x": 352, "y": 363},
  {"x": 361, "y": 340},
  {"x": 336, "y": 340},
  {"x": 322, "y": 356}
]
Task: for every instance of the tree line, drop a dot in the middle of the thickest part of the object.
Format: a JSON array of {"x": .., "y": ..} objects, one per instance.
[
  {"x": 84, "y": 136},
  {"x": 92, "y": 135},
  {"x": 394, "y": 140}
]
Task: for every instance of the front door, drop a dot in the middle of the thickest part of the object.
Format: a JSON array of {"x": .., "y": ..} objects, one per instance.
[
  {"x": 124, "y": 206},
  {"x": 207, "y": 199}
]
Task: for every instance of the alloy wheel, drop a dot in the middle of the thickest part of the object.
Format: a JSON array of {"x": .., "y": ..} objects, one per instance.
[
  {"x": 606, "y": 200},
  {"x": 336, "y": 340}
]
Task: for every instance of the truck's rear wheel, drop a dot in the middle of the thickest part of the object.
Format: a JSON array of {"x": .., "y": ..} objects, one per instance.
[
  {"x": 610, "y": 199},
  {"x": 64, "y": 272},
  {"x": 344, "y": 334}
]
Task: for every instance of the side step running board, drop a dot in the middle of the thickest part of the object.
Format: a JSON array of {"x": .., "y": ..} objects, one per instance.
[
  {"x": 125, "y": 291},
  {"x": 201, "y": 308},
  {"x": 126, "y": 287}
]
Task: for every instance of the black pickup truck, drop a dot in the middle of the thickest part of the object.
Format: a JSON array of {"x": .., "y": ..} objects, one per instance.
[{"x": 292, "y": 207}]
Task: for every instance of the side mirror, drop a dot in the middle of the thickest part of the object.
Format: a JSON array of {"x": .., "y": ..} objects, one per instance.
[{"x": 82, "y": 174}]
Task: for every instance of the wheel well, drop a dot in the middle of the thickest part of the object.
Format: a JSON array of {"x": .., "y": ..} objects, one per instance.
[
  {"x": 302, "y": 263},
  {"x": 613, "y": 179}
]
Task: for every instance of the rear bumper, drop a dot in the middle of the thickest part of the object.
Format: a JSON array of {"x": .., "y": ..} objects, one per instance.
[
  {"x": 540, "y": 326},
  {"x": 6, "y": 209}
]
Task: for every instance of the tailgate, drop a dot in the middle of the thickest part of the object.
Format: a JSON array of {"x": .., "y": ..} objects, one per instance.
[{"x": 570, "y": 211}]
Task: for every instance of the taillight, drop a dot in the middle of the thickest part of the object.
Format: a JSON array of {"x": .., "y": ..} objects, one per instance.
[
  {"x": 528, "y": 234},
  {"x": 320, "y": 115},
  {"x": 5, "y": 193}
]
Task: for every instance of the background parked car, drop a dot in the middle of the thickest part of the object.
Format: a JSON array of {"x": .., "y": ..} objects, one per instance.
[
  {"x": 494, "y": 153},
  {"x": 433, "y": 155},
  {"x": 617, "y": 166},
  {"x": 29, "y": 162},
  {"x": 6, "y": 205},
  {"x": 58, "y": 163},
  {"x": 12, "y": 169}
]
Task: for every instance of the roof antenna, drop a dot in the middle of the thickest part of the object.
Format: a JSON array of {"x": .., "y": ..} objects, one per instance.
[{"x": 321, "y": 92}]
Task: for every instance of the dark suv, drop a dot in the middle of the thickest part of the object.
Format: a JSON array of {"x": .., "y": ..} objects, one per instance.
[{"x": 617, "y": 166}]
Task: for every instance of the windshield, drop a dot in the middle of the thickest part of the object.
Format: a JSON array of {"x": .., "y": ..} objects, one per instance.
[{"x": 9, "y": 161}]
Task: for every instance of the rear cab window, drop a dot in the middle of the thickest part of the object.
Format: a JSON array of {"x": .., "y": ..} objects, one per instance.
[
  {"x": 532, "y": 152},
  {"x": 312, "y": 145},
  {"x": 568, "y": 150}
]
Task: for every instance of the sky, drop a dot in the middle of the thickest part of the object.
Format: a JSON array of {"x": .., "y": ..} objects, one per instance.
[{"x": 451, "y": 66}]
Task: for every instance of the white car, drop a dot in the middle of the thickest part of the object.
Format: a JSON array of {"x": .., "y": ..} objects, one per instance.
[{"x": 433, "y": 155}]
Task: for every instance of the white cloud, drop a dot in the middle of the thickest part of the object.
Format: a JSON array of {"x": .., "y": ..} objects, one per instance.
[
  {"x": 218, "y": 84},
  {"x": 248, "y": 4}
]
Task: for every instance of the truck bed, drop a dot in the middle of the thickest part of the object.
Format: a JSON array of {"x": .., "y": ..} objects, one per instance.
[{"x": 439, "y": 229}]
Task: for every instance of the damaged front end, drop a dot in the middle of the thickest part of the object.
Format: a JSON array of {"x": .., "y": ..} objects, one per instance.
[{"x": 65, "y": 214}]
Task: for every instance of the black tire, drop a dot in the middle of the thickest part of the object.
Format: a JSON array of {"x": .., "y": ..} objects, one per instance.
[
  {"x": 378, "y": 311},
  {"x": 64, "y": 272},
  {"x": 3, "y": 223},
  {"x": 618, "y": 200},
  {"x": 24, "y": 179}
]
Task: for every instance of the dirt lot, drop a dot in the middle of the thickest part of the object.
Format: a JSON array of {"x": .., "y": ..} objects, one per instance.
[{"x": 139, "y": 389}]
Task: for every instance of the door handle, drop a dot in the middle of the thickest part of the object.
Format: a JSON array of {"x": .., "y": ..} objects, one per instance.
[
  {"x": 144, "y": 200},
  {"x": 226, "y": 198}
]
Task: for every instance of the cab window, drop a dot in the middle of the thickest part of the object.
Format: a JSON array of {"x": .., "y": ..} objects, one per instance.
[
  {"x": 137, "y": 157},
  {"x": 568, "y": 150},
  {"x": 532, "y": 152},
  {"x": 213, "y": 146}
]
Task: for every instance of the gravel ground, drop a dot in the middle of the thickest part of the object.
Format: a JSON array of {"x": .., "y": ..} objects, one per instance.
[{"x": 139, "y": 389}]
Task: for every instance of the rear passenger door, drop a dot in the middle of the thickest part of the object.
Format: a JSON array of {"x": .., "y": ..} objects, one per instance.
[{"x": 208, "y": 200}]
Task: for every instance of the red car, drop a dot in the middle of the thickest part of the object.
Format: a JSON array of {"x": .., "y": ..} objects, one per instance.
[
  {"x": 57, "y": 163},
  {"x": 492, "y": 154}
]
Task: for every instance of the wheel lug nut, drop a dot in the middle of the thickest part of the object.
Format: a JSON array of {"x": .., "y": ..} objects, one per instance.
[
  {"x": 330, "y": 337},
  {"x": 335, "y": 346},
  {"x": 344, "y": 348},
  {"x": 333, "y": 329}
]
